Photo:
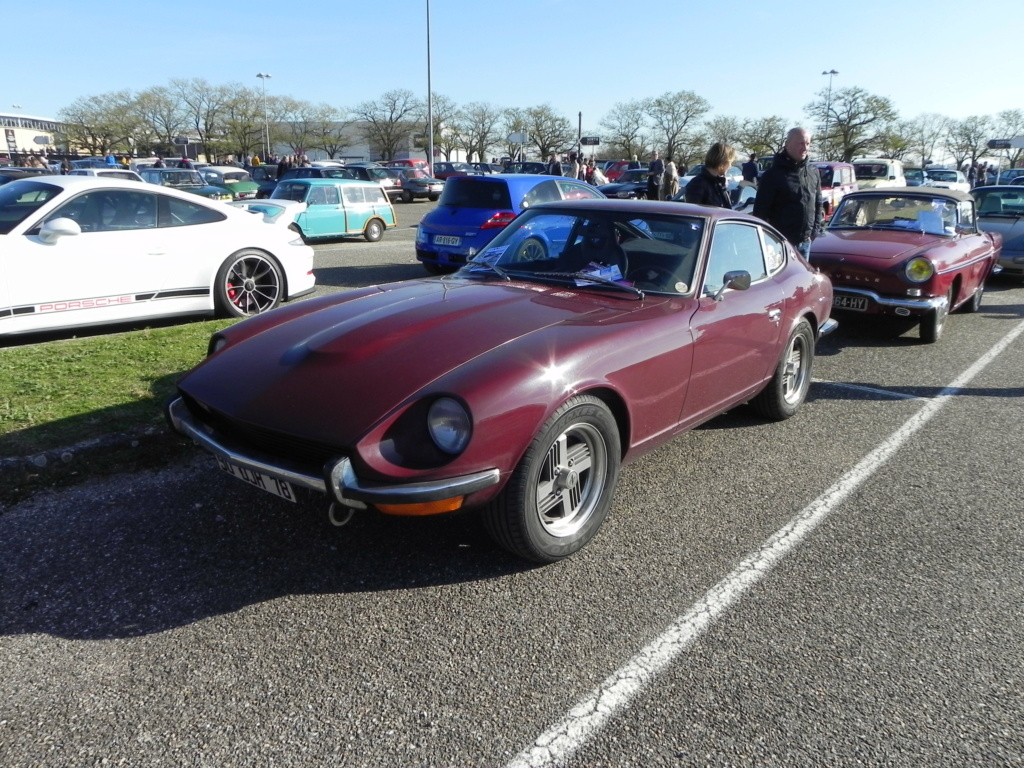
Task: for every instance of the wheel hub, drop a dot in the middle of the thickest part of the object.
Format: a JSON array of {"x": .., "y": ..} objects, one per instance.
[{"x": 566, "y": 479}]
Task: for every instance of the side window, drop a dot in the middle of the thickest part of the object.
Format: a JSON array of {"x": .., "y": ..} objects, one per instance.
[
  {"x": 734, "y": 247},
  {"x": 543, "y": 193},
  {"x": 181, "y": 213},
  {"x": 109, "y": 210},
  {"x": 774, "y": 251},
  {"x": 331, "y": 196},
  {"x": 317, "y": 196},
  {"x": 572, "y": 191},
  {"x": 353, "y": 195},
  {"x": 374, "y": 195}
]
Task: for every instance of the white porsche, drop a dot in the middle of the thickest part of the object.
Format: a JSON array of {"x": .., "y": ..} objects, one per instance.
[{"x": 81, "y": 250}]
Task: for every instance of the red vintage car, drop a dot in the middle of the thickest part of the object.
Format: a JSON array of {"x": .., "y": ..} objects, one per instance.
[
  {"x": 908, "y": 252},
  {"x": 583, "y": 336}
]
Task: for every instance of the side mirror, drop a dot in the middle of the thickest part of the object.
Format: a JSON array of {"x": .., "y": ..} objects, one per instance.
[
  {"x": 738, "y": 280},
  {"x": 55, "y": 229}
]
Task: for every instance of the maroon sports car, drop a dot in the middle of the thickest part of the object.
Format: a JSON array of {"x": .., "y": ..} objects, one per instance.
[
  {"x": 584, "y": 336},
  {"x": 907, "y": 252}
]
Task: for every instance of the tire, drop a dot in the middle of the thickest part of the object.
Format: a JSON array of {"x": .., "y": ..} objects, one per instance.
[
  {"x": 374, "y": 230},
  {"x": 406, "y": 196},
  {"x": 974, "y": 304},
  {"x": 788, "y": 387},
  {"x": 433, "y": 198},
  {"x": 248, "y": 283},
  {"x": 531, "y": 249},
  {"x": 934, "y": 321},
  {"x": 560, "y": 493}
]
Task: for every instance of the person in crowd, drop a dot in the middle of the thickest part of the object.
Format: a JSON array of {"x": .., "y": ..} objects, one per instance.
[
  {"x": 255, "y": 161},
  {"x": 597, "y": 177},
  {"x": 159, "y": 162},
  {"x": 185, "y": 163},
  {"x": 574, "y": 166},
  {"x": 554, "y": 167},
  {"x": 709, "y": 186},
  {"x": 634, "y": 164},
  {"x": 671, "y": 179},
  {"x": 65, "y": 167},
  {"x": 111, "y": 160},
  {"x": 655, "y": 177},
  {"x": 282, "y": 166},
  {"x": 749, "y": 169},
  {"x": 789, "y": 193}
]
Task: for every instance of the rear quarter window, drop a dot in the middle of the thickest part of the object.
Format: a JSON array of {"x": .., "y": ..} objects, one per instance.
[{"x": 471, "y": 192}]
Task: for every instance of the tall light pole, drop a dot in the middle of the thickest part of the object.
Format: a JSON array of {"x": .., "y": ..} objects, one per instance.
[
  {"x": 828, "y": 106},
  {"x": 266, "y": 120},
  {"x": 430, "y": 104}
]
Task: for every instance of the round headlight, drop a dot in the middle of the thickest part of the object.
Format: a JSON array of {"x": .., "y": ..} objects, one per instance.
[
  {"x": 920, "y": 269},
  {"x": 449, "y": 425}
]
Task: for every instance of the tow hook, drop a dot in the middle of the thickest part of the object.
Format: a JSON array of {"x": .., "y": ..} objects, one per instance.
[{"x": 345, "y": 516}]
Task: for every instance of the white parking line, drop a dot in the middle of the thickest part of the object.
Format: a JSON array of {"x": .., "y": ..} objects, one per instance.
[
  {"x": 585, "y": 719},
  {"x": 870, "y": 390}
]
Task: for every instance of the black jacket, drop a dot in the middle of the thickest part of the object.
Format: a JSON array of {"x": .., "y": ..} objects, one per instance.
[
  {"x": 789, "y": 198},
  {"x": 705, "y": 189}
]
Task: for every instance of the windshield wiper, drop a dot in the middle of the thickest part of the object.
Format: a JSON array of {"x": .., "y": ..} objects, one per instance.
[
  {"x": 898, "y": 227},
  {"x": 493, "y": 267},
  {"x": 595, "y": 279}
]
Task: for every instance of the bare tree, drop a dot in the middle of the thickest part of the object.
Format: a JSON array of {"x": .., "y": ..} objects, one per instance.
[
  {"x": 1009, "y": 124},
  {"x": 673, "y": 115},
  {"x": 856, "y": 120},
  {"x": 330, "y": 129},
  {"x": 550, "y": 132},
  {"x": 725, "y": 129},
  {"x": 926, "y": 132},
  {"x": 895, "y": 140},
  {"x": 967, "y": 139},
  {"x": 513, "y": 121},
  {"x": 204, "y": 106},
  {"x": 764, "y": 136},
  {"x": 624, "y": 129},
  {"x": 478, "y": 126},
  {"x": 389, "y": 121},
  {"x": 241, "y": 122},
  {"x": 160, "y": 111},
  {"x": 101, "y": 124}
]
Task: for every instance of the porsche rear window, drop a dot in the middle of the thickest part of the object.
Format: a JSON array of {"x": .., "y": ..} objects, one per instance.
[{"x": 471, "y": 192}]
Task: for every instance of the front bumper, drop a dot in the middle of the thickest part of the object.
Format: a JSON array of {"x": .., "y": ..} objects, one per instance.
[
  {"x": 338, "y": 480},
  {"x": 890, "y": 304}
]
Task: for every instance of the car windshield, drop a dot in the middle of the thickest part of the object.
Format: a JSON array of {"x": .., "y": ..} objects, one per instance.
[
  {"x": 914, "y": 174},
  {"x": 993, "y": 202},
  {"x": 287, "y": 190},
  {"x": 473, "y": 192},
  {"x": 935, "y": 216},
  {"x": 20, "y": 199},
  {"x": 633, "y": 175},
  {"x": 336, "y": 173},
  {"x": 377, "y": 173},
  {"x": 180, "y": 179},
  {"x": 650, "y": 252},
  {"x": 942, "y": 175},
  {"x": 414, "y": 174},
  {"x": 871, "y": 170},
  {"x": 827, "y": 174},
  {"x": 232, "y": 177}
]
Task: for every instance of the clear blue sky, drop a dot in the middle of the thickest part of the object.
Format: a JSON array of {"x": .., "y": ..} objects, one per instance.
[{"x": 749, "y": 59}]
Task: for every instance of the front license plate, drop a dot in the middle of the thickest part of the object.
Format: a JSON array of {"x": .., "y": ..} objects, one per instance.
[
  {"x": 856, "y": 303},
  {"x": 260, "y": 480},
  {"x": 447, "y": 240}
]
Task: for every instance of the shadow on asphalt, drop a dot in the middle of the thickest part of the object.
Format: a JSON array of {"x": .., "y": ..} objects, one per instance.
[
  {"x": 139, "y": 554},
  {"x": 376, "y": 274}
]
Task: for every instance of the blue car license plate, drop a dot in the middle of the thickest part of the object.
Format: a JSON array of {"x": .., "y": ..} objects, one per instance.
[{"x": 447, "y": 240}]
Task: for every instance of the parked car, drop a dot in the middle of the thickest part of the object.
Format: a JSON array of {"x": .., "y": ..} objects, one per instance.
[
  {"x": 236, "y": 180},
  {"x": 262, "y": 173},
  {"x": 473, "y": 209},
  {"x": 1007, "y": 176},
  {"x": 878, "y": 173},
  {"x": 9, "y": 173},
  {"x": 304, "y": 172},
  {"x": 915, "y": 176},
  {"x": 1000, "y": 210},
  {"x": 946, "y": 178},
  {"x": 81, "y": 250},
  {"x": 911, "y": 252},
  {"x": 837, "y": 181},
  {"x": 410, "y": 162},
  {"x": 416, "y": 184},
  {"x": 108, "y": 173},
  {"x": 377, "y": 174},
  {"x": 733, "y": 177},
  {"x": 529, "y": 166},
  {"x": 630, "y": 185},
  {"x": 450, "y": 170},
  {"x": 617, "y": 168},
  {"x": 588, "y": 334},
  {"x": 338, "y": 207},
  {"x": 187, "y": 181}
]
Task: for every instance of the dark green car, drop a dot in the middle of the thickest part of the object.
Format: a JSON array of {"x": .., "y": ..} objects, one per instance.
[
  {"x": 185, "y": 180},
  {"x": 237, "y": 180}
]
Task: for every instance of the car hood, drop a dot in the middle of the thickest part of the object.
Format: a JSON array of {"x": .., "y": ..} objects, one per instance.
[
  {"x": 333, "y": 373},
  {"x": 880, "y": 245}
]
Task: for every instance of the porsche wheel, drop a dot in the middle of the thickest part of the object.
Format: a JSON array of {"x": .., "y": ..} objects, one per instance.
[
  {"x": 248, "y": 283},
  {"x": 934, "y": 321},
  {"x": 562, "y": 488},
  {"x": 792, "y": 379},
  {"x": 374, "y": 230}
]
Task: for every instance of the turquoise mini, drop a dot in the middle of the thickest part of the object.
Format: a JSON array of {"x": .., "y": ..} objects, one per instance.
[{"x": 339, "y": 207}]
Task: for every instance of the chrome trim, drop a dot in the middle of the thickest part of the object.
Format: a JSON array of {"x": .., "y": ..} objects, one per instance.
[
  {"x": 183, "y": 421},
  {"x": 915, "y": 304},
  {"x": 827, "y": 327},
  {"x": 341, "y": 483}
]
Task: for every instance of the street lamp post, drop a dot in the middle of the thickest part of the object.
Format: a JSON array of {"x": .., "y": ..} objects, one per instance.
[
  {"x": 266, "y": 120},
  {"x": 430, "y": 104},
  {"x": 828, "y": 108}
]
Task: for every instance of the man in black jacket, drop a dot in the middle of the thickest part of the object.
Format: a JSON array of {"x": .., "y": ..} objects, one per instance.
[{"x": 789, "y": 193}]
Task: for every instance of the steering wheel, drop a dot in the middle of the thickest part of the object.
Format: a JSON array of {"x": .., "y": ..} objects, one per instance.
[{"x": 653, "y": 275}]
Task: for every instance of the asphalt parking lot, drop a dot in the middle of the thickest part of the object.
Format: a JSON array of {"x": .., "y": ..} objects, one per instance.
[{"x": 843, "y": 588}]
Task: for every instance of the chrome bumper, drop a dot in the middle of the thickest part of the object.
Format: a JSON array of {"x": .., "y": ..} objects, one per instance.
[
  {"x": 917, "y": 305},
  {"x": 339, "y": 479}
]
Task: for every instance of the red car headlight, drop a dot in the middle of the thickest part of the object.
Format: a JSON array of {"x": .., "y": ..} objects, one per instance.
[{"x": 449, "y": 425}]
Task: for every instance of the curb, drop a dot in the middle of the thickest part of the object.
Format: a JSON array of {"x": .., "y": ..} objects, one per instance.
[{"x": 78, "y": 451}]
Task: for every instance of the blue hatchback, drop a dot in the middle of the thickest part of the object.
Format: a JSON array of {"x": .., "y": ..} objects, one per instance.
[{"x": 474, "y": 209}]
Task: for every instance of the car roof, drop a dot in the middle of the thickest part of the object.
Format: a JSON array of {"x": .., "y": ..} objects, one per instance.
[
  {"x": 518, "y": 183},
  {"x": 322, "y": 182},
  {"x": 612, "y": 205},
  {"x": 912, "y": 191}
]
